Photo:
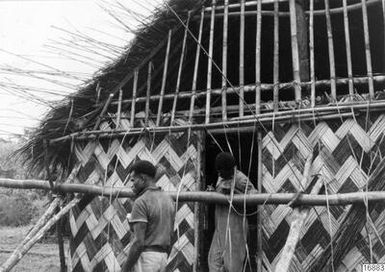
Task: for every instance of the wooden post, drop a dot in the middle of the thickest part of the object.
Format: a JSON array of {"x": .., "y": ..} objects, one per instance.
[
  {"x": 331, "y": 51},
  {"x": 311, "y": 48},
  {"x": 196, "y": 65},
  {"x": 148, "y": 93},
  {"x": 210, "y": 63},
  {"x": 276, "y": 56},
  {"x": 119, "y": 112},
  {"x": 46, "y": 164},
  {"x": 348, "y": 47},
  {"x": 59, "y": 230},
  {"x": 258, "y": 59},
  {"x": 294, "y": 49},
  {"x": 299, "y": 217},
  {"x": 241, "y": 59},
  {"x": 303, "y": 52},
  {"x": 104, "y": 110},
  {"x": 224, "y": 60},
  {"x": 181, "y": 60},
  {"x": 164, "y": 79},
  {"x": 259, "y": 218},
  {"x": 369, "y": 68},
  {"x": 134, "y": 88}
]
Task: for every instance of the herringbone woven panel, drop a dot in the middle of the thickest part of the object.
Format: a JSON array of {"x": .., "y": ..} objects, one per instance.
[
  {"x": 100, "y": 231},
  {"x": 345, "y": 153}
]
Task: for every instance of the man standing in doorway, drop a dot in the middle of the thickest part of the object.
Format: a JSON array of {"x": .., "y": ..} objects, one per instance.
[
  {"x": 228, "y": 247},
  {"x": 152, "y": 220}
]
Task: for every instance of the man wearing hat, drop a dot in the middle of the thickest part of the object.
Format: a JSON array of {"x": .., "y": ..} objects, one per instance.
[
  {"x": 228, "y": 247},
  {"x": 152, "y": 220}
]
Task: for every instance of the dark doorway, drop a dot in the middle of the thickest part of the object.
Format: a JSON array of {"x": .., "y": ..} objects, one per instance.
[{"x": 244, "y": 147}]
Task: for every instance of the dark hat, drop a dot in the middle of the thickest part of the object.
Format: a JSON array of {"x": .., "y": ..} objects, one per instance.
[
  {"x": 224, "y": 161},
  {"x": 143, "y": 167}
]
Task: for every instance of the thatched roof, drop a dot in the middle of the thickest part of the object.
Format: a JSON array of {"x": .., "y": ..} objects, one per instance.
[{"x": 80, "y": 110}]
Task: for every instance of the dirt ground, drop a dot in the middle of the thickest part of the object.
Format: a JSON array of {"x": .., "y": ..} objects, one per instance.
[{"x": 42, "y": 257}]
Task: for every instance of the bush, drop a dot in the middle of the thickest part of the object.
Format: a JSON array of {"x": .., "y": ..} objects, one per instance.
[{"x": 16, "y": 209}]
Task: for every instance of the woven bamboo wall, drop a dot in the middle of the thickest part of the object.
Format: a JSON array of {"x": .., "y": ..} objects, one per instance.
[
  {"x": 100, "y": 231},
  {"x": 345, "y": 154}
]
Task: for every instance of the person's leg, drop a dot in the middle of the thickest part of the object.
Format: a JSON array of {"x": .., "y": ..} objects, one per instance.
[{"x": 215, "y": 258}]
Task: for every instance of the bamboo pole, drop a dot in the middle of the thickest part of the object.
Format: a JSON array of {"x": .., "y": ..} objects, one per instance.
[
  {"x": 302, "y": 39},
  {"x": 224, "y": 60},
  {"x": 258, "y": 58},
  {"x": 242, "y": 59},
  {"x": 369, "y": 68},
  {"x": 380, "y": 79},
  {"x": 294, "y": 50},
  {"x": 104, "y": 110},
  {"x": 98, "y": 89},
  {"x": 181, "y": 60},
  {"x": 212, "y": 126},
  {"x": 164, "y": 79},
  {"x": 207, "y": 197},
  {"x": 299, "y": 216},
  {"x": 41, "y": 222},
  {"x": 196, "y": 65},
  {"x": 276, "y": 56},
  {"x": 148, "y": 93},
  {"x": 259, "y": 217},
  {"x": 311, "y": 48},
  {"x": 119, "y": 112},
  {"x": 331, "y": 51},
  {"x": 133, "y": 101},
  {"x": 16, "y": 256},
  {"x": 348, "y": 47},
  {"x": 210, "y": 63},
  {"x": 59, "y": 233}
]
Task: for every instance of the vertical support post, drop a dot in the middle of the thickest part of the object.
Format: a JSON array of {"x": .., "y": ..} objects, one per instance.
[
  {"x": 197, "y": 210},
  {"x": 311, "y": 48},
  {"x": 59, "y": 230},
  {"x": 276, "y": 56},
  {"x": 119, "y": 112},
  {"x": 302, "y": 38},
  {"x": 224, "y": 60},
  {"x": 259, "y": 218},
  {"x": 182, "y": 54},
  {"x": 348, "y": 47},
  {"x": 258, "y": 60},
  {"x": 148, "y": 93},
  {"x": 331, "y": 52},
  {"x": 367, "y": 49},
  {"x": 196, "y": 65},
  {"x": 134, "y": 89},
  {"x": 164, "y": 79},
  {"x": 98, "y": 89},
  {"x": 294, "y": 50},
  {"x": 241, "y": 59},
  {"x": 46, "y": 164},
  {"x": 210, "y": 63}
]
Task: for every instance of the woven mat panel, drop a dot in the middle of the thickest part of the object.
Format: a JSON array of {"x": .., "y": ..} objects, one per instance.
[
  {"x": 100, "y": 231},
  {"x": 345, "y": 153}
]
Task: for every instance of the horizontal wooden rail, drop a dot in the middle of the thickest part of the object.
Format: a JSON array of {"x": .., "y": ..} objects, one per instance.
[
  {"x": 251, "y": 88},
  {"x": 206, "y": 197}
]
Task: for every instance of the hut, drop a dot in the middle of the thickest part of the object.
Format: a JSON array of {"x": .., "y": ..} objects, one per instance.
[{"x": 272, "y": 81}]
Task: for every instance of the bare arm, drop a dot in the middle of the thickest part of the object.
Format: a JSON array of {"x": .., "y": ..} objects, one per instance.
[{"x": 137, "y": 245}]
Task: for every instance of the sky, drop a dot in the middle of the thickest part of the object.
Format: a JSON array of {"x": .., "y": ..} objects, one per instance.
[{"x": 31, "y": 38}]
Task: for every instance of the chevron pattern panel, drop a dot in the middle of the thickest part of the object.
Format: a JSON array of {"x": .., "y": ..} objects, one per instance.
[
  {"x": 100, "y": 231},
  {"x": 345, "y": 153}
]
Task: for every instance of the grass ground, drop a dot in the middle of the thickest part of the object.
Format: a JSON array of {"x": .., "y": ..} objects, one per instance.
[{"x": 42, "y": 257}]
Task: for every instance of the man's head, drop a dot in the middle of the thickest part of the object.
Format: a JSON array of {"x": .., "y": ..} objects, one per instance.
[
  {"x": 142, "y": 174},
  {"x": 224, "y": 164}
]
